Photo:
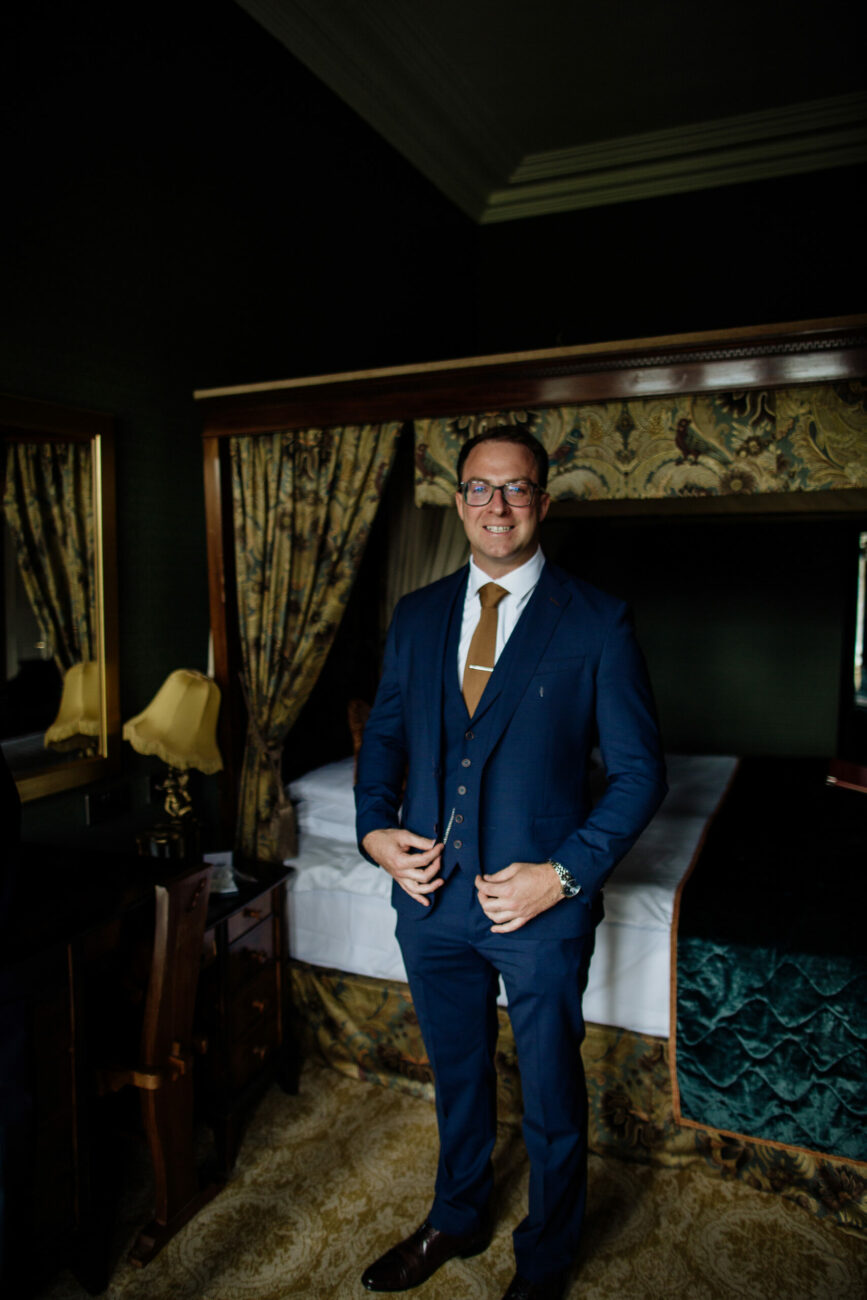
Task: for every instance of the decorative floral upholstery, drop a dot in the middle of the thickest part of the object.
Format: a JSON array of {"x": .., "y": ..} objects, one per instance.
[{"x": 804, "y": 439}]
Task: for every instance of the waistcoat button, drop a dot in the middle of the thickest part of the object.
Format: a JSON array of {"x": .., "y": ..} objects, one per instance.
[
  {"x": 462, "y": 789},
  {"x": 466, "y": 762},
  {"x": 459, "y": 844}
]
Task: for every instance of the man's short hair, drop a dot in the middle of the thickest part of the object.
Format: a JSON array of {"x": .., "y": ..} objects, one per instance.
[{"x": 509, "y": 433}]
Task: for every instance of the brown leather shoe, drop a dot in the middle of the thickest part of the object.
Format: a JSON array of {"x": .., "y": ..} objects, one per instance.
[
  {"x": 412, "y": 1261},
  {"x": 520, "y": 1288}
]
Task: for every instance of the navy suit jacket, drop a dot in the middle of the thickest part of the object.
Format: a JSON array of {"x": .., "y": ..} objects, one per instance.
[{"x": 571, "y": 676}]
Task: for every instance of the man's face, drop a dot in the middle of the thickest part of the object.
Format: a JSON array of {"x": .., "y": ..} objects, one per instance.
[{"x": 501, "y": 536}]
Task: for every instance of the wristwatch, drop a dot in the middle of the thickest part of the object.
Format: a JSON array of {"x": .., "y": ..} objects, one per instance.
[{"x": 568, "y": 884}]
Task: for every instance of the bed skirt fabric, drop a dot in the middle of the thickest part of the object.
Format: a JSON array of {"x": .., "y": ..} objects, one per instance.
[{"x": 367, "y": 1029}]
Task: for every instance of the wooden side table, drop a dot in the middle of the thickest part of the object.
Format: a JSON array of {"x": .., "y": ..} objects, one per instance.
[{"x": 241, "y": 1009}]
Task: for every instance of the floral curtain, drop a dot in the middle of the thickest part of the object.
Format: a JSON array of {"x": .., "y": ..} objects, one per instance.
[
  {"x": 804, "y": 439},
  {"x": 303, "y": 504},
  {"x": 48, "y": 499}
]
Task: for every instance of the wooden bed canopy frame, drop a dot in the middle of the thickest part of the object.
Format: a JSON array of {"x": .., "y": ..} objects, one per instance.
[{"x": 772, "y": 356}]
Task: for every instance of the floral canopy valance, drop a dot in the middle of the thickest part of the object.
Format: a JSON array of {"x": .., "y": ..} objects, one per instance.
[{"x": 755, "y": 441}]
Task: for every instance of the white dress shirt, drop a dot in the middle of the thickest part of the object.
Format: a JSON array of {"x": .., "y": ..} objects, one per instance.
[{"x": 520, "y": 583}]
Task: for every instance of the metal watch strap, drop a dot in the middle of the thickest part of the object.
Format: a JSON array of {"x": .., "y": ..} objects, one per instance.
[{"x": 568, "y": 884}]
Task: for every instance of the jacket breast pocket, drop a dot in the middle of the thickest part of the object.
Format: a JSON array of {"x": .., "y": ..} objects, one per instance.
[{"x": 560, "y": 664}]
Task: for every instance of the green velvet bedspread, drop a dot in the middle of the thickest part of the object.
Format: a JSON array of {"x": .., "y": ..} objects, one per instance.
[{"x": 771, "y": 1036}]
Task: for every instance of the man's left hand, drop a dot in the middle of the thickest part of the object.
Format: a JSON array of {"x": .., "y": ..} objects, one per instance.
[{"x": 512, "y": 897}]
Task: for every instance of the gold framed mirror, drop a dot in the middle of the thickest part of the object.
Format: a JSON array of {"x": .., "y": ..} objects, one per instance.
[{"x": 59, "y": 688}]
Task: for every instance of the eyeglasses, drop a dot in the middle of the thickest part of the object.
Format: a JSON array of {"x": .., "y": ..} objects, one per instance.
[{"x": 476, "y": 492}]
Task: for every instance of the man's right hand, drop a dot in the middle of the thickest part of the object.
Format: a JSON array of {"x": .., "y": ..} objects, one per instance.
[{"x": 415, "y": 872}]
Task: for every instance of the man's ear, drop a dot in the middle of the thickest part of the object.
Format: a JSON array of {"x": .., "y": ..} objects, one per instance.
[{"x": 544, "y": 502}]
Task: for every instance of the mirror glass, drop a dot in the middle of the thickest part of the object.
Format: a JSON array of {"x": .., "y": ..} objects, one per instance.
[{"x": 59, "y": 723}]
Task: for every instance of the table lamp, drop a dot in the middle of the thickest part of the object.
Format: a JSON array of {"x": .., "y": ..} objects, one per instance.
[
  {"x": 180, "y": 727},
  {"x": 78, "y": 720}
]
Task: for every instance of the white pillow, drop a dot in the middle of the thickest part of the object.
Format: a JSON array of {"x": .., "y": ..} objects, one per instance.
[{"x": 325, "y": 803}]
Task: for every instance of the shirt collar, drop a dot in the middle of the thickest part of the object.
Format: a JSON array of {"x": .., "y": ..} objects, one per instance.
[{"x": 518, "y": 582}]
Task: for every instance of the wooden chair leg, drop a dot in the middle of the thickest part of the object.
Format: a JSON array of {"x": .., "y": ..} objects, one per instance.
[{"x": 167, "y": 1115}]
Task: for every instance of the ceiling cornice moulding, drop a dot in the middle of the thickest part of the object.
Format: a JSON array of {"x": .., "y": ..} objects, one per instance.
[{"x": 794, "y": 139}]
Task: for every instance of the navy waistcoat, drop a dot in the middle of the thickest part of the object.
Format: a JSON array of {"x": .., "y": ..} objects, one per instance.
[{"x": 465, "y": 750}]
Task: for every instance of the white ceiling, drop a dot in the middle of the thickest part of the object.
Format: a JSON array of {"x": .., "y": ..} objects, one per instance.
[{"x": 516, "y": 108}]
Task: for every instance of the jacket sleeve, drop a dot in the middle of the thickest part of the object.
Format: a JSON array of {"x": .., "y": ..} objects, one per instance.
[
  {"x": 383, "y": 754},
  {"x": 632, "y": 754}
]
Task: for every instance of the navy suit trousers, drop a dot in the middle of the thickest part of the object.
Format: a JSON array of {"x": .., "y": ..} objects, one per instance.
[{"x": 453, "y": 962}]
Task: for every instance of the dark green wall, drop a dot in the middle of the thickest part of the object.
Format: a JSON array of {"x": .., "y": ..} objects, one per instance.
[
  {"x": 757, "y": 254},
  {"x": 741, "y": 622},
  {"x": 186, "y": 206}
]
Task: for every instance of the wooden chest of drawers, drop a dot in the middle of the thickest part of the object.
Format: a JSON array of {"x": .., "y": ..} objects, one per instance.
[{"x": 241, "y": 1006}]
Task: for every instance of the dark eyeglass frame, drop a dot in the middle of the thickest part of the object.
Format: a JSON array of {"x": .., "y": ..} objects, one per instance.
[{"x": 501, "y": 488}]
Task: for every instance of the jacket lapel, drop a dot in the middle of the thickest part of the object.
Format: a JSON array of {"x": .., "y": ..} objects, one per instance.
[
  {"x": 524, "y": 649},
  {"x": 432, "y": 664}
]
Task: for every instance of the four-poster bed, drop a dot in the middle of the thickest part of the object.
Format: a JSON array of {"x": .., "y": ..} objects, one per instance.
[{"x": 766, "y": 421}]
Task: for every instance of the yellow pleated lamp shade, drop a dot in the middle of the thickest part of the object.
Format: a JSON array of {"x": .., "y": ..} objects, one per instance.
[
  {"x": 78, "y": 714},
  {"x": 180, "y": 723}
]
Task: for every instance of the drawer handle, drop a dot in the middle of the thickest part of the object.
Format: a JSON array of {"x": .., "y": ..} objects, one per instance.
[
  {"x": 258, "y": 1005},
  {"x": 253, "y": 912},
  {"x": 257, "y": 955},
  {"x": 260, "y": 1052}
]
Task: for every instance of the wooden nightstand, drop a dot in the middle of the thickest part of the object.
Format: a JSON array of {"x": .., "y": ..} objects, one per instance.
[{"x": 241, "y": 1008}]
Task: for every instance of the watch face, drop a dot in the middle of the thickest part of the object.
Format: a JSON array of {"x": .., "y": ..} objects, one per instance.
[{"x": 567, "y": 884}]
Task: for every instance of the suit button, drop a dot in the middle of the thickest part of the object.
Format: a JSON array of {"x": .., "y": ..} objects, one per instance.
[
  {"x": 469, "y": 735},
  {"x": 459, "y": 844},
  {"x": 462, "y": 789},
  {"x": 466, "y": 762},
  {"x": 459, "y": 817}
]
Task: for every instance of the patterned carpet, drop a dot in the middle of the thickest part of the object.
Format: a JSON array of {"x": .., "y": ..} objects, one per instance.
[{"x": 329, "y": 1179}]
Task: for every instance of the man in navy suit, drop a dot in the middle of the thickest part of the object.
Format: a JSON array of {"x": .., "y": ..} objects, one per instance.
[{"x": 497, "y": 854}]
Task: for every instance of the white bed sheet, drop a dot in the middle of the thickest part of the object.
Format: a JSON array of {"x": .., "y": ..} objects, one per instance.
[{"x": 340, "y": 914}]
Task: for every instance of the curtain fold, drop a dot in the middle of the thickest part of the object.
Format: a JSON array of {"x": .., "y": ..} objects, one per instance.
[
  {"x": 48, "y": 500},
  {"x": 303, "y": 504}
]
